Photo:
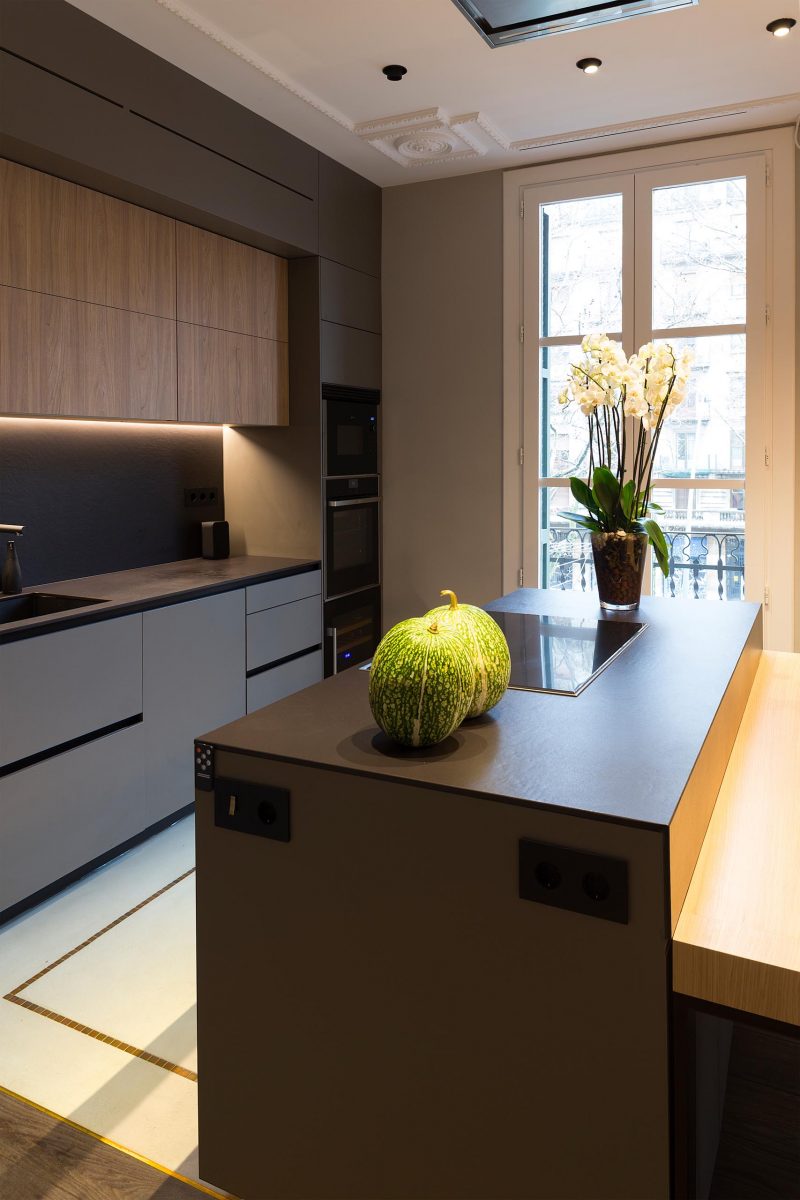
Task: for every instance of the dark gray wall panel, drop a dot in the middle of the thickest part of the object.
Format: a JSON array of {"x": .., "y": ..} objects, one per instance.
[
  {"x": 61, "y": 38},
  {"x": 97, "y": 498},
  {"x": 349, "y": 356},
  {"x": 349, "y": 217},
  {"x": 349, "y": 297},
  {"x": 56, "y": 117}
]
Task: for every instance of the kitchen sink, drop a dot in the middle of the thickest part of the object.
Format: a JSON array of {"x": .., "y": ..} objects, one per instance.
[{"x": 39, "y": 604}]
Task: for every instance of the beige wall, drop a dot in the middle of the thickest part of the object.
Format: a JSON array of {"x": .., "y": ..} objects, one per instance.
[
  {"x": 442, "y": 392},
  {"x": 797, "y": 408}
]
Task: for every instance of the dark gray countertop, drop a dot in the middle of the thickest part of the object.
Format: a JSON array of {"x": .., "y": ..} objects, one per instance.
[
  {"x": 152, "y": 587},
  {"x": 623, "y": 749}
]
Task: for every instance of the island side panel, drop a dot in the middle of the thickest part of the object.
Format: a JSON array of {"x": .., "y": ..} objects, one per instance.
[{"x": 381, "y": 1016}]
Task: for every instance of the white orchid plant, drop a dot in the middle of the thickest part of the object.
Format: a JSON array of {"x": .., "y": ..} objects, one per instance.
[{"x": 609, "y": 389}]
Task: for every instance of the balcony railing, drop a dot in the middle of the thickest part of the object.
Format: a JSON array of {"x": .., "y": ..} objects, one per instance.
[{"x": 702, "y": 566}]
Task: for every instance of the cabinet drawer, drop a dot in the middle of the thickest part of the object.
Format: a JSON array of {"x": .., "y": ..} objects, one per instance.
[
  {"x": 281, "y": 681},
  {"x": 278, "y": 632},
  {"x": 61, "y": 686},
  {"x": 64, "y": 812},
  {"x": 283, "y": 591}
]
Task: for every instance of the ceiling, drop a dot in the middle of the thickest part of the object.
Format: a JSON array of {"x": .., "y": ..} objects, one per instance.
[{"x": 314, "y": 68}]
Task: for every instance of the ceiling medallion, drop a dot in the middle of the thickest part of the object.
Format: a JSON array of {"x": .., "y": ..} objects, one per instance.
[
  {"x": 423, "y": 147},
  {"x": 430, "y": 136}
]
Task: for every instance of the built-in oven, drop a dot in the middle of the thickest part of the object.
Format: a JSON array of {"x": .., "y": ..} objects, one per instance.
[
  {"x": 350, "y": 424},
  {"x": 352, "y": 553},
  {"x": 352, "y": 630}
]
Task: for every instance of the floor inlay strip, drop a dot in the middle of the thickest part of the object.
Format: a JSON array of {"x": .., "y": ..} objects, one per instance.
[
  {"x": 112, "y": 925},
  {"x": 103, "y": 1037},
  {"x": 14, "y": 997}
]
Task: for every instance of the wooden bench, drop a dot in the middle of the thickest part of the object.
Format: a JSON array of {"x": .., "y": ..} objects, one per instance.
[{"x": 737, "y": 942}]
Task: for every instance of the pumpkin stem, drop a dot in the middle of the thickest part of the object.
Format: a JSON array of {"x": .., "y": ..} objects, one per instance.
[{"x": 452, "y": 595}]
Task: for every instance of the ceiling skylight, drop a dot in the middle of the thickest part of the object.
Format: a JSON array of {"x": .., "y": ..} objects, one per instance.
[{"x": 502, "y": 22}]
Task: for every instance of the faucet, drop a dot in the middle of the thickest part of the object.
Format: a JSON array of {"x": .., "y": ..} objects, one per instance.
[{"x": 11, "y": 579}]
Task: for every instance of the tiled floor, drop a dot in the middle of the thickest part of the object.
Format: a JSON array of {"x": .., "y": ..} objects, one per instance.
[{"x": 97, "y": 1015}]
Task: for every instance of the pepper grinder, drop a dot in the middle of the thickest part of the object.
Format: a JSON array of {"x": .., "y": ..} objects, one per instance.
[{"x": 11, "y": 580}]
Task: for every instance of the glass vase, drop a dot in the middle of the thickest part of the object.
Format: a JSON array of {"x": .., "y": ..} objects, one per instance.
[{"x": 619, "y": 559}]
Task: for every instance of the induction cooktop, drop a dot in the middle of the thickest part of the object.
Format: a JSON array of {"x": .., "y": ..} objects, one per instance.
[{"x": 562, "y": 654}]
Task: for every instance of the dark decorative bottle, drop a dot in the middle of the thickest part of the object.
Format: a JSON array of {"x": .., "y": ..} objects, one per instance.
[{"x": 12, "y": 574}]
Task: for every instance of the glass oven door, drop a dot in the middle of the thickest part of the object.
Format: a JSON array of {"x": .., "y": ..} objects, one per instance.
[{"x": 352, "y": 536}]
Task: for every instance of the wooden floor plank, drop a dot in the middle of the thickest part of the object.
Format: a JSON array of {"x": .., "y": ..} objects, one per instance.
[{"x": 43, "y": 1158}]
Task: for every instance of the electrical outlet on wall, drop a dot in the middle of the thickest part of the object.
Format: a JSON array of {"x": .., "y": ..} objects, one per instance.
[{"x": 200, "y": 497}]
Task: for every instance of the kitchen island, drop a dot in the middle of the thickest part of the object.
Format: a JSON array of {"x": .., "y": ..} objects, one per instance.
[{"x": 445, "y": 973}]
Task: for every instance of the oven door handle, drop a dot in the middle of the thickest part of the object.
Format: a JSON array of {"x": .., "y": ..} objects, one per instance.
[
  {"x": 353, "y": 503},
  {"x": 333, "y": 632}
]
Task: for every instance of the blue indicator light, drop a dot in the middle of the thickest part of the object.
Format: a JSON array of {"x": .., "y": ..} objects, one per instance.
[{"x": 347, "y": 654}]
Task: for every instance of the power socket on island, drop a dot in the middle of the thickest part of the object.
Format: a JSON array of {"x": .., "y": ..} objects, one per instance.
[
  {"x": 252, "y": 808},
  {"x": 592, "y": 884}
]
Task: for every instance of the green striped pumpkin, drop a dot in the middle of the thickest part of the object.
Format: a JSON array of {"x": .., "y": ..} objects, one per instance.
[
  {"x": 421, "y": 682},
  {"x": 490, "y": 654}
]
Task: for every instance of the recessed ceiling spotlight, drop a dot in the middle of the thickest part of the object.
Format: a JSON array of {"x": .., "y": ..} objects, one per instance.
[
  {"x": 395, "y": 72},
  {"x": 781, "y": 27},
  {"x": 589, "y": 66}
]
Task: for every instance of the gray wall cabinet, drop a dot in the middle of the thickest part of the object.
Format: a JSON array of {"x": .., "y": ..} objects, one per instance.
[
  {"x": 349, "y": 356},
  {"x": 349, "y": 217},
  {"x": 62, "y": 39},
  {"x": 349, "y": 297}
]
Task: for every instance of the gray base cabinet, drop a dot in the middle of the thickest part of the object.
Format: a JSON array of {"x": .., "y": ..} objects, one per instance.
[
  {"x": 272, "y": 685},
  {"x": 65, "y": 685},
  {"x": 168, "y": 675},
  {"x": 193, "y": 681},
  {"x": 66, "y": 811}
]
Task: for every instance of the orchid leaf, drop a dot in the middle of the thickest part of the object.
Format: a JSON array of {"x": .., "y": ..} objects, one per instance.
[
  {"x": 627, "y": 498},
  {"x": 659, "y": 544},
  {"x": 605, "y": 489},
  {"x": 584, "y": 521},
  {"x": 582, "y": 493}
]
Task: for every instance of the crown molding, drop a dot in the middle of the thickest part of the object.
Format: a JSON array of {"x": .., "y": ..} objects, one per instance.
[{"x": 186, "y": 13}]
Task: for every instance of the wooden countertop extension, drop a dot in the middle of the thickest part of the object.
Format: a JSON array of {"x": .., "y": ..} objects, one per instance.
[{"x": 737, "y": 942}]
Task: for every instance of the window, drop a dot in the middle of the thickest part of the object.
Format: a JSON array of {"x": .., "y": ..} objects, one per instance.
[{"x": 660, "y": 250}]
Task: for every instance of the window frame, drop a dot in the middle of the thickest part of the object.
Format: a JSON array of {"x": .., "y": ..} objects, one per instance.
[{"x": 770, "y": 465}]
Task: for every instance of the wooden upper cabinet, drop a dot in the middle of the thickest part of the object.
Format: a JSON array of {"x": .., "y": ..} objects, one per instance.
[
  {"x": 72, "y": 359},
  {"x": 231, "y": 378},
  {"x": 224, "y": 284},
  {"x": 65, "y": 240}
]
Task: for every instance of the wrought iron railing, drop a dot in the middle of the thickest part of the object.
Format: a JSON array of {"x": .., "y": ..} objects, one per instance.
[{"x": 700, "y": 564}]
